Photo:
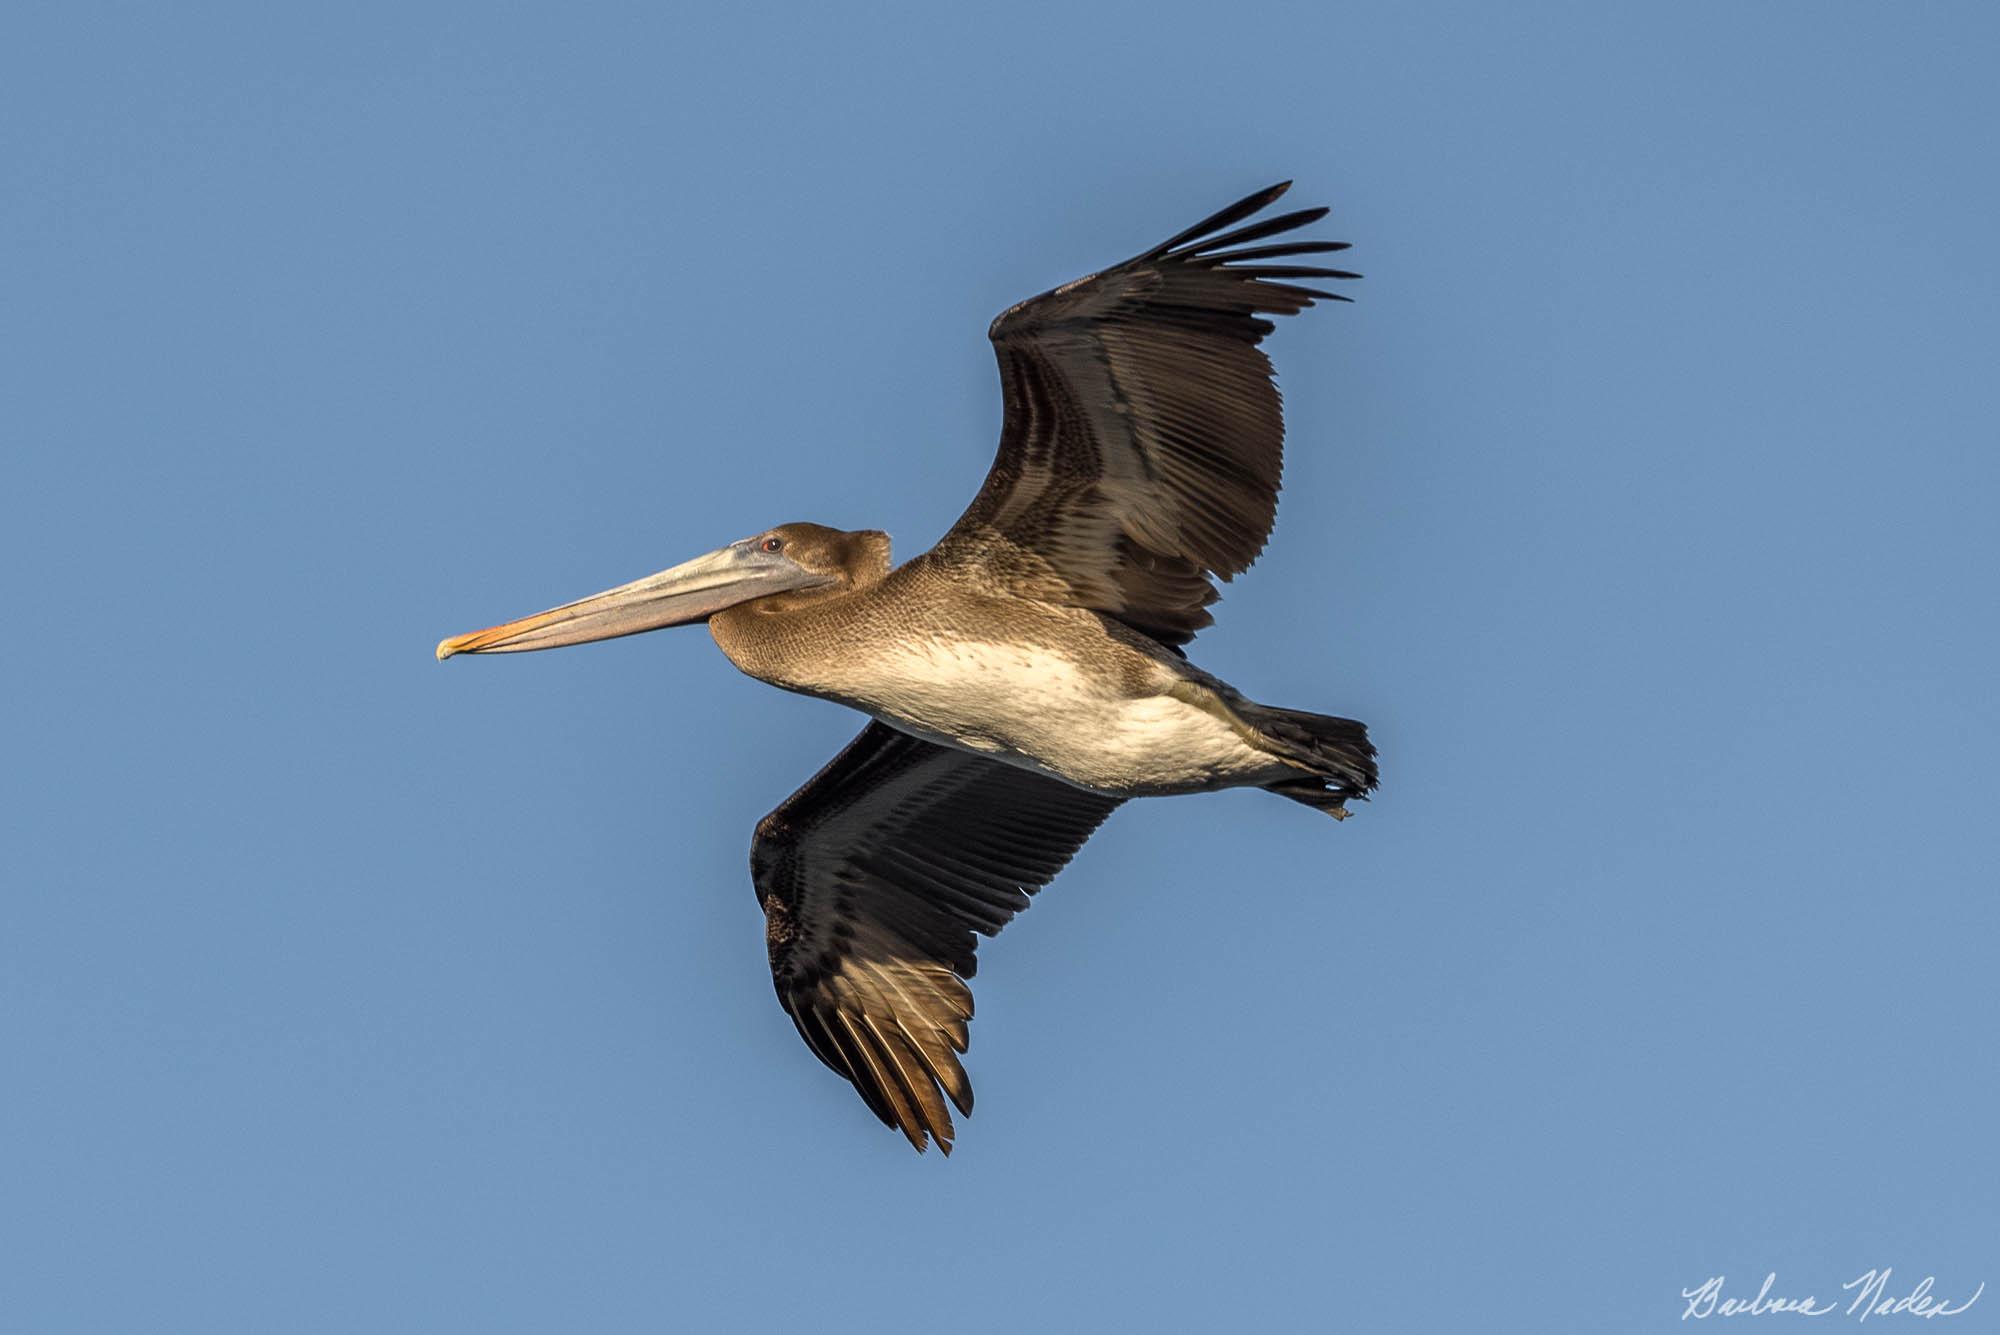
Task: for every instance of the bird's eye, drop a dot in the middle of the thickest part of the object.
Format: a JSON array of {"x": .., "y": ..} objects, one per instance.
[{"x": 773, "y": 544}]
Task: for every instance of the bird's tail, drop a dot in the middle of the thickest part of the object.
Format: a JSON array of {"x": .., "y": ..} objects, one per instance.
[{"x": 1338, "y": 757}]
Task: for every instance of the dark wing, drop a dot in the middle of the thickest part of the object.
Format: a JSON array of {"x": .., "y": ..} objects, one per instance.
[
  {"x": 1143, "y": 439},
  {"x": 873, "y": 878}
]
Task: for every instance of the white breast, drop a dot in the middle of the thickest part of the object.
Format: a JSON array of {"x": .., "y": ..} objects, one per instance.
[{"x": 1037, "y": 707}]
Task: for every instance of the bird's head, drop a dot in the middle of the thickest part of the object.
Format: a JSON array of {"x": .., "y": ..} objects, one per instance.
[{"x": 781, "y": 567}]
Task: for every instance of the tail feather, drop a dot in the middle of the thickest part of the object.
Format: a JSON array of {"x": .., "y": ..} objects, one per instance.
[{"x": 1339, "y": 758}]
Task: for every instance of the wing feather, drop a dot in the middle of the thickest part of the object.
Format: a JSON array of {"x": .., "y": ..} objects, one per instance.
[
  {"x": 874, "y": 878},
  {"x": 1143, "y": 442}
]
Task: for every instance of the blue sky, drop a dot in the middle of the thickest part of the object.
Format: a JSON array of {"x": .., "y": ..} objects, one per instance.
[{"x": 1643, "y": 503}]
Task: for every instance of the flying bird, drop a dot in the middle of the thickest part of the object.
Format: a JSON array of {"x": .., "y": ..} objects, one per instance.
[{"x": 1026, "y": 675}]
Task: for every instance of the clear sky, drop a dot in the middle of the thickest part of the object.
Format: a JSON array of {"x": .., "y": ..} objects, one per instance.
[{"x": 1643, "y": 503}]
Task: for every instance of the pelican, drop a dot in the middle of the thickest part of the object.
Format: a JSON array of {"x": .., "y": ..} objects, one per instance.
[{"x": 1026, "y": 675}]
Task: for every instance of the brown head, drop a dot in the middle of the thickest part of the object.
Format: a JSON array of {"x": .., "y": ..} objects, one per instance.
[
  {"x": 845, "y": 560},
  {"x": 787, "y": 566}
]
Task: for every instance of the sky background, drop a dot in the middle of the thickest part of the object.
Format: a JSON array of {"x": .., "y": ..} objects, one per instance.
[{"x": 1643, "y": 503}]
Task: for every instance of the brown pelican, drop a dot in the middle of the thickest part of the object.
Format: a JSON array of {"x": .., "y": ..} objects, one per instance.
[{"x": 1025, "y": 675}]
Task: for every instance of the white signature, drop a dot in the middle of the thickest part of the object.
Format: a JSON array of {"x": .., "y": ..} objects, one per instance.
[{"x": 1871, "y": 1298}]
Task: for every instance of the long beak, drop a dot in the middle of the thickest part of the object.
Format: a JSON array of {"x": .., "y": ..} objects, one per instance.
[{"x": 693, "y": 591}]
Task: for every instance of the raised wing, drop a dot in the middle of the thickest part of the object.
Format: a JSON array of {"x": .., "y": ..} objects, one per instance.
[
  {"x": 1143, "y": 438},
  {"x": 874, "y": 877}
]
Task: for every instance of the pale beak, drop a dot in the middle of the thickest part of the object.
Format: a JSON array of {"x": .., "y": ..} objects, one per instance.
[{"x": 693, "y": 591}]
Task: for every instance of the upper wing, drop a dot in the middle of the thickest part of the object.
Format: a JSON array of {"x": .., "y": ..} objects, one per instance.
[
  {"x": 873, "y": 878},
  {"x": 1143, "y": 438}
]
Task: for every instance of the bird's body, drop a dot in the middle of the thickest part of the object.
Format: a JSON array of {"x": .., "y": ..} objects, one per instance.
[
  {"x": 1058, "y": 690},
  {"x": 1027, "y": 675}
]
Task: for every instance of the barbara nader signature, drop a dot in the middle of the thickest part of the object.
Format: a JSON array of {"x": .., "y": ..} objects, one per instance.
[{"x": 1872, "y": 1297}]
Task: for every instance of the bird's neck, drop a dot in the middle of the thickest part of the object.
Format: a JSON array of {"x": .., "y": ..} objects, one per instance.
[{"x": 784, "y": 640}]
